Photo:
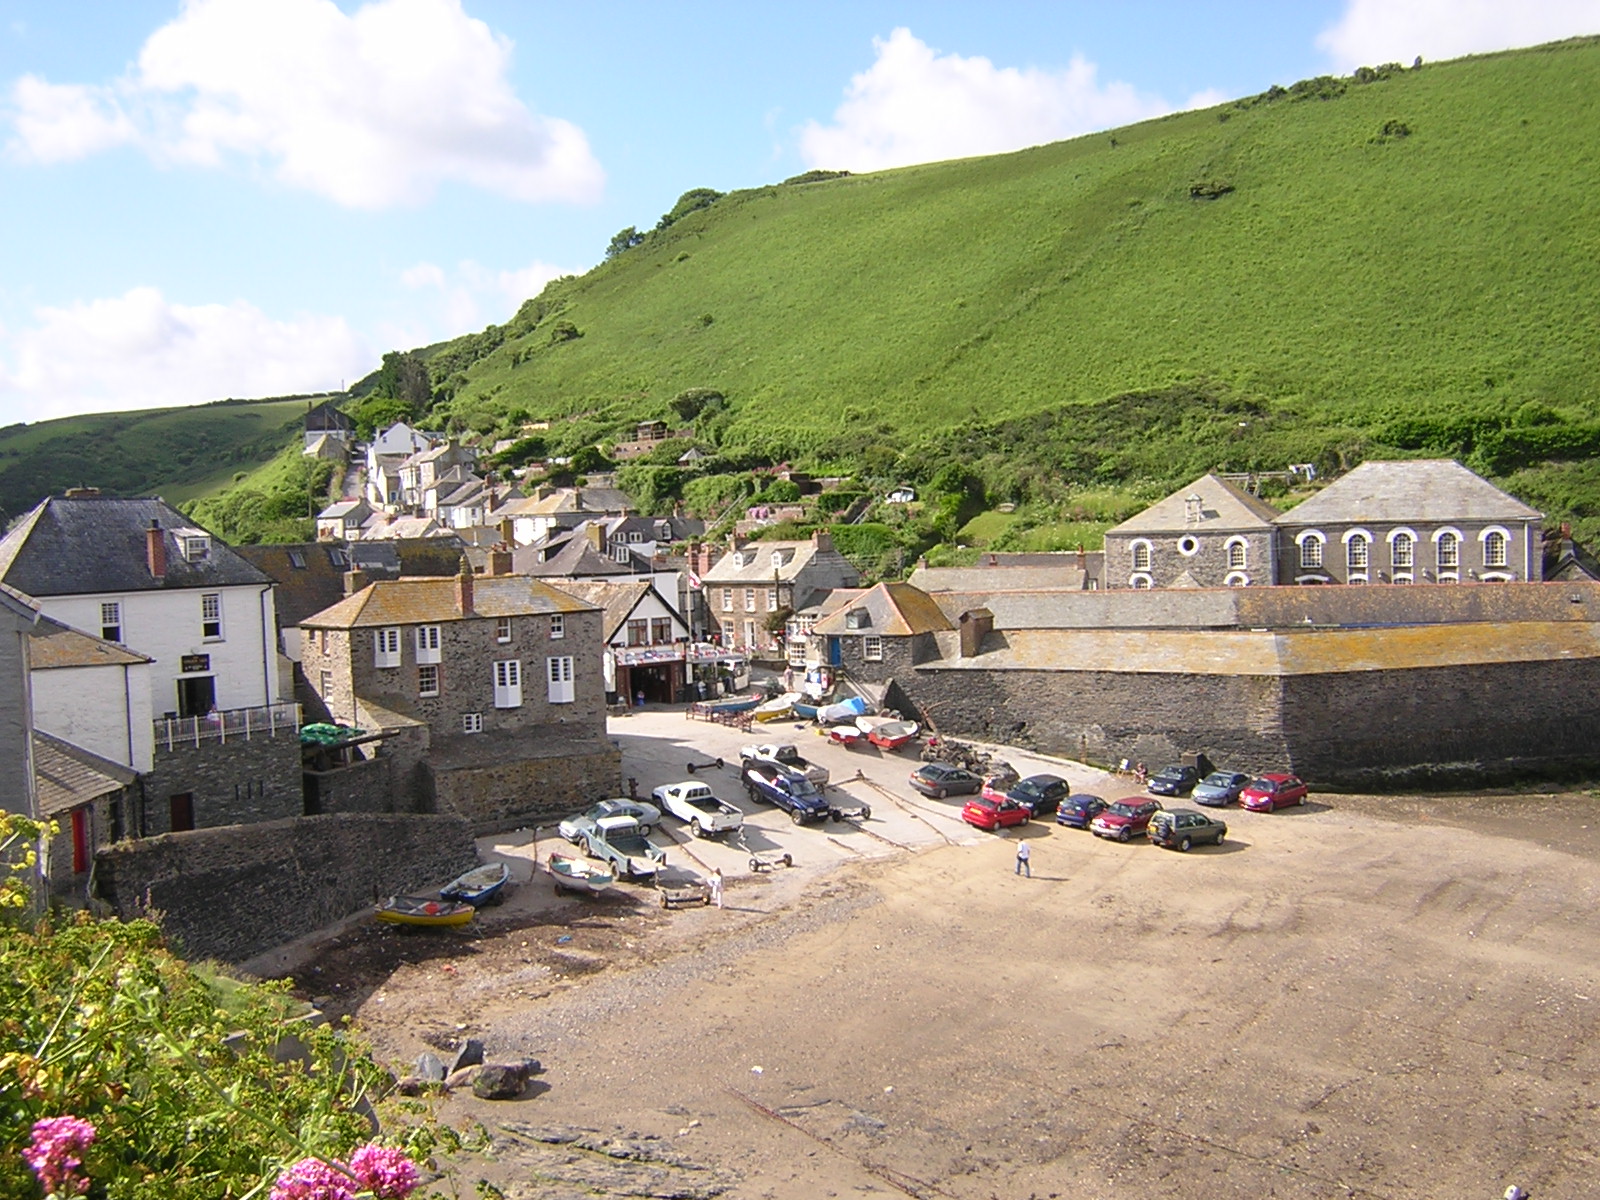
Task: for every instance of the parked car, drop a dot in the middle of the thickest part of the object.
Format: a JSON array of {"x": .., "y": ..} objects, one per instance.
[
  {"x": 1268, "y": 793},
  {"x": 1079, "y": 809},
  {"x": 941, "y": 780},
  {"x": 1173, "y": 781},
  {"x": 1125, "y": 819},
  {"x": 574, "y": 828},
  {"x": 1219, "y": 789},
  {"x": 985, "y": 813},
  {"x": 694, "y": 804},
  {"x": 1040, "y": 794},
  {"x": 1181, "y": 828},
  {"x": 1001, "y": 779}
]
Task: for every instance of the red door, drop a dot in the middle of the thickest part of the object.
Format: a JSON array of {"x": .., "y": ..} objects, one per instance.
[{"x": 182, "y": 811}]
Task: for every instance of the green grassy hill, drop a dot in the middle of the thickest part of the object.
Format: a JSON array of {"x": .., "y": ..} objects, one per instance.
[
  {"x": 1404, "y": 265},
  {"x": 177, "y": 453}
]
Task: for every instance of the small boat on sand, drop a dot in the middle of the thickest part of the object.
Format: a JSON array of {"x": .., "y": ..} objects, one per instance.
[
  {"x": 777, "y": 708},
  {"x": 845, "y": 735},
  {"x": 732, "y": 704},
  {"x": 844, "y": 710},
  {"x": 805, "y": 710},
  {"x": 579, "y": 875},
  {"x": 479, "y": 886},
  {"x": 423, "y": 912},
  {"x": 891, "y": 735}
]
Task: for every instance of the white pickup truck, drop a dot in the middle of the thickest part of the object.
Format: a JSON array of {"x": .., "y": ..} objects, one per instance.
[
  {"x": 694, "y": 804},
  {"x": 617, "y": 840},
  {"x": 785, "y": 755}
]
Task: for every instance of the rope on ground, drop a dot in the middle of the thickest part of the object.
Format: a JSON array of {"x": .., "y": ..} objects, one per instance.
[
  {"x": 899, "y": 1180},
  {"x": 844, "y": 846}
]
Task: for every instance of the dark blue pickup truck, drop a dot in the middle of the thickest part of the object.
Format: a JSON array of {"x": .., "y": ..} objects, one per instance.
[{"x": 789, "y": 790}]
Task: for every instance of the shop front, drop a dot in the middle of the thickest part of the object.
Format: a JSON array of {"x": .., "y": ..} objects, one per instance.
[{"x": 650, "y": 674}]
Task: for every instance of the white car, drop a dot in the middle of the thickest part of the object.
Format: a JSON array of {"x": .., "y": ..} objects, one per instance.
[
  {"x": 694, "y": 805},
  {"x": 648, "y": 816}
]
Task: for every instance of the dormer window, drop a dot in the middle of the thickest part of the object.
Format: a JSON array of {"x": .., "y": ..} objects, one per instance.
[
  {"x": 196, "y": 547},
  {"x": 857, "y": 618},
  {"x": 777, "y": 559},
  {"x": 738, "y": 558}
]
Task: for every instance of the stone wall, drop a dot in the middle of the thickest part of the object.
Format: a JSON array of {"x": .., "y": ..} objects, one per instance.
[
  {"x": 540, "y": 784},
  {"x": 231, "y": 783},
  {"x": 235, "y": 892}
]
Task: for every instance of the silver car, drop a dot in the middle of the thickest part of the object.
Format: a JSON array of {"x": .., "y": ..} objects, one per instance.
[{"x": 574, "y": 828}]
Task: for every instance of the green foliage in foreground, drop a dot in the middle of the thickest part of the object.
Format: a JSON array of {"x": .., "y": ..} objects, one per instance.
[{"x": 99, "y": 1021}]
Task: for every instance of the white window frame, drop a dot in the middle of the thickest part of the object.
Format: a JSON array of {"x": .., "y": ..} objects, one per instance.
[
  {"x": 1140, "y": 553},
  {"x": 111, "y": 620},
  {"x": 1238, "y": 552},
  {"x": 558, "y": 679},
  {"x": 1408, "y": 539},
  {"x": 872, "y": 648},
  {"x": 749, "y": 599},
  {"x": 211, "y": 616},
  {"x": 502, "y": 630},
  {"x": 1141, "y": 582},
  {"x": 772, "y": 600},
  {"x": 1504, "y": 534},
  {"x": 508, "y": 683},
  {"x": 1311, "y": 559},
  {"x": 1454, "y": 538},
  {"x": 429, "y": 644},
  {"x": 1236, "y": 579},
  {"x": 1357, "y": 552},
  {"x": 196, "y": 547},
  {"x": 386, "y": 647},
  {"x": 727, "y": 599},
  {"x": 471, "y": 722},
  {"x": 558, "y": 626},
  {"x": 428, "y": 679},
  {"x": 325, "y": 684}
]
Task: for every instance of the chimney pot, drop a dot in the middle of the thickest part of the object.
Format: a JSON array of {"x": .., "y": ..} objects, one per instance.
[
  {"x": 464, "y": 588},
  {"x": 354, "y": 581}
]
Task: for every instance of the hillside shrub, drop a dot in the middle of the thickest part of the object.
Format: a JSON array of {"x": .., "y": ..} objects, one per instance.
[{"x": 691, "y": 201}]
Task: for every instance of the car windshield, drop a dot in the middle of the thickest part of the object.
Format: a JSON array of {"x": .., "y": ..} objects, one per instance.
[
  {"x": 1123, "y": 810},
  {"x": 1263, "y": 785},
  {"x": 1171, "y": 773},
  {"x": 1029, "y": 787},
  {"x": 1219, "y": 779}
]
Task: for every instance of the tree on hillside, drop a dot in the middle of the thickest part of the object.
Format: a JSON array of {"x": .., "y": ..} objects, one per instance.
[
  {"x": 625, "y": 239},
  {"x": 691, "y": 201},
  {"x": 689, "y": 403},
  {"x": 404, "y": 376}
]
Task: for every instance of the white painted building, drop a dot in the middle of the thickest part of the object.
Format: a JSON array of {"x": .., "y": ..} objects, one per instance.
[{"x": 92, "y": 693}]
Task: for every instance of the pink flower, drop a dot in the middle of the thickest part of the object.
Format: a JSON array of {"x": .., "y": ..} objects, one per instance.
[
  {"x": 313, "y": 1179},
  {"x": 53, "y": 1154},
  {"x": 387, "y": 1173}
]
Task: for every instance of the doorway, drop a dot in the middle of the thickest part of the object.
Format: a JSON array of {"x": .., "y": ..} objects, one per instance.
[
  {"x": 182, "y": 811},
  {"x": 197, "y": 695}
]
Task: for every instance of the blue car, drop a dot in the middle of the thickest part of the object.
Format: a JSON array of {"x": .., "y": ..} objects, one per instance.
[
  {"x": 1219, "y": 789},
  {"x": 1078, "y": 809}
]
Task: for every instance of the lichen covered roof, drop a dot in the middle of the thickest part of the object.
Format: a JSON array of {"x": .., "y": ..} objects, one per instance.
[
  {"x": 432, "y": 601},
  {"x": 68, "y": 776},
  {"x": 54, "y": 645},
  {"x": 893, "y": 610}
]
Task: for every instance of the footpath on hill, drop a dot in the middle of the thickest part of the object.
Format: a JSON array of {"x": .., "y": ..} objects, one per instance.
[{"x": 1370, "y": 996}]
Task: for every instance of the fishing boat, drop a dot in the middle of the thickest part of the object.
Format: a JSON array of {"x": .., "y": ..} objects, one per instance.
[
  {"x": 423, "y": 912},
  {"x": 732, "y": 704},
  {"x": 805, "y": 709},
  {"x": 479, "y": 886},
  {"x": 891, "y": 735},
  {"x": 845, "y": 735},
  {"x": 579, "y": 875},
  {"x": 777, "y": 708},
  {"x": 844, "y": 711}
]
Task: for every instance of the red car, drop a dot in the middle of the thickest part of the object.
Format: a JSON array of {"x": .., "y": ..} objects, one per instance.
[
  {"x": 1124, "y": 819},
  {"x": 1000, "y": 780},
  {"x": 994, "y": 814},
  {"x": 1268, "y": 793}
]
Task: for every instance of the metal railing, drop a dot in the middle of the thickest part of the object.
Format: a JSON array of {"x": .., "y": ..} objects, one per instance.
[{"x": 229, "y": 724}]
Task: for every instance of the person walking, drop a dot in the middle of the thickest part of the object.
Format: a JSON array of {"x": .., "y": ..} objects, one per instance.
[
  {"x": 1024, "y": 854},
  {"x": 716, "y": 886}
]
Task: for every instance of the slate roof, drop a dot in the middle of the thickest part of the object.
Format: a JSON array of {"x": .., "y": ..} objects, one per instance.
[
  {"x": 86, "y": 544},
  {"x": 617, "y": 597},
  {"x": 1064, "y": 574},
  {"x": 343, "y": 508},
  {"x": 577, "y": 557},
  {"x": 795, "y": 557},
  {"x": 893, "y": 610},
  {"x": 69, "y": 776},
  {"x": 1427, "y": 490},
  {"x": 433, "y": 601},
  {"x": 53, "y": 645},
  {"x": 309, "y": 587},
  {"x": 1223, "y": 508}
]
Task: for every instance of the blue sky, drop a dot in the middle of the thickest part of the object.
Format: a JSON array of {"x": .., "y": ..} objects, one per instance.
[{"x": 256, "y": 197}]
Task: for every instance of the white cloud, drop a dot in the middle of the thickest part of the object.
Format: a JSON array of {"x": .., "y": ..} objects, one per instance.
[
  {"x": 471, "y": 290},
  {"x": 372, "y": 109},
  {"x": 140, "y": 350},
  {"x": 915, "y": 105},
  {"x": 1377, "y": 31}
]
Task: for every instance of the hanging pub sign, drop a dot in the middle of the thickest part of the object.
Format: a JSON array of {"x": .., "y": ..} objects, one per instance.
[{"x": 194, "y": 662}]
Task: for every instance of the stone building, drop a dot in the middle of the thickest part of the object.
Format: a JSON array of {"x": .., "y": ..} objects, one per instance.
[
  {"x": 880, "y": 633},
  {"x": 756, "y": 584},
  {"x": 1425, "y": 521},
  {"x": 647, "y": 649},
  {"x": 490, "y": 686},
  {"x": 1209, "y": 534}
]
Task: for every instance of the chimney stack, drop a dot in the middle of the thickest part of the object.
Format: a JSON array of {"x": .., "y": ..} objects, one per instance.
[
  {"x": 464, "y": 588},
  {"x": 155, "y": 550},
  {"x": 823, "y": 540},
  {"x": 506, "y": 529},
  {"x": 500, "y": 559},
  {"x": 354, "y": 581},
  {"x": 81, "y": 493},
  {"x": 596, "y": 536}
]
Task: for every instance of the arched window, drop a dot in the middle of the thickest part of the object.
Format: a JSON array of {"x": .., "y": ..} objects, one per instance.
[
  {"x": 1141, "y": 556},
  {"x": 1141, "y": 582},
  {"x": 1494, "y": 548},
  {"x": 1236, "y": 579},
  {"x": 1449, "y": 550},
  {"x": 1402, "y": 551},
  {"x": 1355, "y": 552},
  {"x": 1311, "y": 550},
  {"x": 1238, "y": 554}
]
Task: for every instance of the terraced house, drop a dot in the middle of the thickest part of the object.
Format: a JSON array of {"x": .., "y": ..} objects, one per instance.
[{"x": 488, "y": 687}]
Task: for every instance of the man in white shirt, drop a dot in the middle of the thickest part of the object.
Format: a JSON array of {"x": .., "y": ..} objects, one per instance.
[{"x": 1024, "y": 853}]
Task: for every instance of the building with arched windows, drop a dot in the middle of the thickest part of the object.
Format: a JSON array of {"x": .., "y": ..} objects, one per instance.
[{"x": 1209, "y": 534}]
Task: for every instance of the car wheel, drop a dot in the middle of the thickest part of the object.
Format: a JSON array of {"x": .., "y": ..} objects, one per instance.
[
  {"x": 1123, "y": 834},
  {"x": 799, "y": 818},
  {"x": 1185, "y": 844},
  {"x": 644, "y": 831},
  {"x": 940, "y": 793},
  {"x": 694, "y": 828}
]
